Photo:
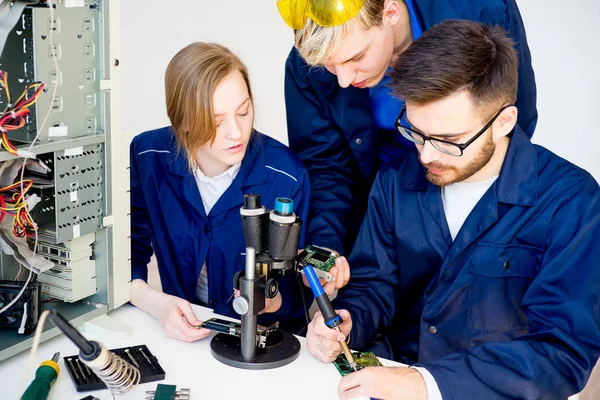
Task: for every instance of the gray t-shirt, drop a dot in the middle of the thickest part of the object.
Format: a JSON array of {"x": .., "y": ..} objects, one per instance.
[{"x": 459, "y": 199}]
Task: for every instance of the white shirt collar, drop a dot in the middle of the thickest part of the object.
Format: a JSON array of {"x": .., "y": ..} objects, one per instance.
[{"x": 231, "y": 173}]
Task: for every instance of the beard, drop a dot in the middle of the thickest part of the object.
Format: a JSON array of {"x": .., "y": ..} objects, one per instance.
[{"x": 454, "y": 174}]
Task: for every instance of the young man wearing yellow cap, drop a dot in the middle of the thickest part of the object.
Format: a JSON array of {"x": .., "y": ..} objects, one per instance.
[{"x": 341, "y": 117}]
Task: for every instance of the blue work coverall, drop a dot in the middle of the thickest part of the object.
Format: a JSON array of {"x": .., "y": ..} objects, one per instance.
[
  {"x": 333, "y": 131},
  {"x": 168, "y": 219},
  {"x": 511, "y": 307}
]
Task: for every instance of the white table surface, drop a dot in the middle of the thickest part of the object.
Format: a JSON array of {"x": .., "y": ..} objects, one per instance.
[{"x": 187, "y": 365}]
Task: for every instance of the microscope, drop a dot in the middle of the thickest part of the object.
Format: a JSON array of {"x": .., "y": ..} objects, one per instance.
[{"x": 272, "y": 238}]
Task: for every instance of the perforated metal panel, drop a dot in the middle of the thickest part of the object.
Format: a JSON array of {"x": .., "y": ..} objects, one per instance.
[
  {"x": 79, "y": 191},
  {"x": 78, "y": 48}
]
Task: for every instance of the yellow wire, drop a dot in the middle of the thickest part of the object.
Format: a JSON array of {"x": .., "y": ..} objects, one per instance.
[
  {"x": 22, "y": 95},
  {"x": 7, "y": 147},
  {"x": 27, "y": 88},
  {"x": 13, "y": 224},
  {"x": 35, "y": 86},
  {"x": 5, "y": 84},
  {"x": 18, "y": 206},
  {"x": 31, "y": 222}
]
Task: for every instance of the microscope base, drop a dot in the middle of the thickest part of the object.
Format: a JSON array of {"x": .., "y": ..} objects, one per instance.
[{"x": 227, "y": 349}]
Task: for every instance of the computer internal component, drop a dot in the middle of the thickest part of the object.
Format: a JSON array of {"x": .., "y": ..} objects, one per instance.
[{"x": 24, "y": 313}]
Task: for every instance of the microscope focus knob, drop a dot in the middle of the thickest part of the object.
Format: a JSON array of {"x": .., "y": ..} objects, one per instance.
[
  {"x": 240, "y": 305},
  {"x": 271, "y": 288}
]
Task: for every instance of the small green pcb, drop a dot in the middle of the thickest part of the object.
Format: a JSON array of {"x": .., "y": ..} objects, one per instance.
[
  {"x": 165, "y": 392},
  {"x": 363, "y": 360},
  {"x": 321, "y": 259}
]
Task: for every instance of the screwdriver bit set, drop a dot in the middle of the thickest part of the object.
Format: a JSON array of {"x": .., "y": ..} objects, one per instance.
[{"x": 138, "y": 356}]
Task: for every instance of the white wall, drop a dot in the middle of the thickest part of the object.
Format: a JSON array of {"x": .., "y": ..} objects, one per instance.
[
  {"x": 563, "y": 37},
  {"x": 153, "y": 31},
  {"x": 564, "y": 42}
]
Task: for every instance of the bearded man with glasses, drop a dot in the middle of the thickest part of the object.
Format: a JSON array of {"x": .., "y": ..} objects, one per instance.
[{"x": 478, "y": 261}]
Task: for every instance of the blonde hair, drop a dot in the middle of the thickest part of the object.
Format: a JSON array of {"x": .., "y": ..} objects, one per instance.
[
  {"x": 317, "y": 43},
  {"x": 190, "y": 82}
]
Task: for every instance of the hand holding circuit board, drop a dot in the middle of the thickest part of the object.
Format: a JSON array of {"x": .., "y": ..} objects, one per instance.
[
  {"x": 363, "y": 360},
  {"x": 235, "y": 329},
  {"x": 319, "y": 262},
  {"x": 331, "y": 268}
]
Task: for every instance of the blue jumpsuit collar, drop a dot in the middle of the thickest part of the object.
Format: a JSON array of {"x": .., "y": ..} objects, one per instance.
[
  {"x": 517, "y": 183},
  {"x": 415, "y": 24}
]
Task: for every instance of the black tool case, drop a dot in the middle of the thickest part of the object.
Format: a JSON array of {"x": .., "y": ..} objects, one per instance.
[{"x": 85, "y": 380}]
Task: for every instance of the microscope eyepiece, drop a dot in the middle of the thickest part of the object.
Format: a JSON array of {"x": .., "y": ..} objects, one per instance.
[
  {"x": 284, "y": 206},
  {"x": 252, "y": 201}
]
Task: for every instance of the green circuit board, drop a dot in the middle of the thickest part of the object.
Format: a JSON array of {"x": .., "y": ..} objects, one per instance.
[
  {"x": 321, "y": 259},
  {"x": 363, "y": 360}
]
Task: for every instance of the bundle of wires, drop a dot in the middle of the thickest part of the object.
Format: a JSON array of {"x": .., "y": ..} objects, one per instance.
[
  {"x": 16, "y": 112},
  {"x": 14, "y": 204},
  {"x": 13, "y": 116}
]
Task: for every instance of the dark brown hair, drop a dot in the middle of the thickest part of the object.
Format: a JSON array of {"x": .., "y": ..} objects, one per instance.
[
  {"x": 190, "y": 82},
  {"x": 458, "y": 55}
]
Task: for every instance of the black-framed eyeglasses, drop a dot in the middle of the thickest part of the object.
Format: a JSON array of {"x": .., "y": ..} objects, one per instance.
[{"x": 446, "y": 147}]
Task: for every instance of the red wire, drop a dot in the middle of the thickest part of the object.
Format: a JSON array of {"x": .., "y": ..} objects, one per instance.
[
  {"x": 13, "y": 119},
  {"x": 2, "y": 205}
]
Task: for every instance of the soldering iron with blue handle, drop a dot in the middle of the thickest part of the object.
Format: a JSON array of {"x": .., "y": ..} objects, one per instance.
[{"x": 332, "y": 319}]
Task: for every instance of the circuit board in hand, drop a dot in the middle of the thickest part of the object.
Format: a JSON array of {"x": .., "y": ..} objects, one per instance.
[
  {"x": 223, "y": 326},
  {"x": 235, "y": 329},
  {"x": 363, "y": 360},
  {"x": 321, "y": 259}
]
